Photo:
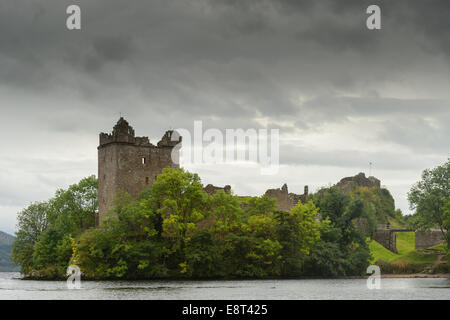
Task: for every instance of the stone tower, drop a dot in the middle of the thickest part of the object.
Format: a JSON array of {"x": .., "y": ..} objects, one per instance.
[{"x": 130, "y": 163}]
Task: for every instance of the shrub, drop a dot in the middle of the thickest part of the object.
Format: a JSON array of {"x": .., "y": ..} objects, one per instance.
[{"x": 398, "y": 267}]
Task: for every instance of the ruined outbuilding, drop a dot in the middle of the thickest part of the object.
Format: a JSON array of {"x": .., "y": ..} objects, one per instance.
[
  {"x": 285, "y": 199},
  {"x": 360, "y": 180}
]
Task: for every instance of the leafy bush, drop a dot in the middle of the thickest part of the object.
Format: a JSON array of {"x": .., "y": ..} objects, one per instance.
[
  {"x": 399, "y": 267},
  {"x": 177, "y": 230}
]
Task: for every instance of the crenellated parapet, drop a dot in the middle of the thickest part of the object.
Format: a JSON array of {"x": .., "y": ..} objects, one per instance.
[{"x": 123, "y": 133}]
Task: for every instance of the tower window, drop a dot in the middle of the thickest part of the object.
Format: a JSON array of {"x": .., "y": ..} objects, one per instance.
[
  {"x": 146, "y": 180},
  {"x": 144, "y": 160}
]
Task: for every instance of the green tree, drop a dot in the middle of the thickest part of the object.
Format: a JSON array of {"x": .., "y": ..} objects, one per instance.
[
  {"x": 32, "y": 221},
  {"x": 45, "y": 229},
  {"x": 351, "y": 253},
  {"x": 428, "y": 196},
  {"x": 298, "y": 230},
  {"x": 127, "y": 245},
  {"x": 44, "y": 252},
  {"x": 226, "y": 212},
  {"x": 447, "y": 221},
  {"x": 380, "y": 200},
  {"x": 177, "y": 196},
  {"x": 260, "y": 205},
  {"x": 202, "y": 256},
  {"x": 75, "y": 209}
]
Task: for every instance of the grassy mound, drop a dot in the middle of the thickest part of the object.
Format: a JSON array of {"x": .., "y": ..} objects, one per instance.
[
  {"x": 405, "y": 242},
  {"x": 407, "y": 260},
  {"x": 380, "y": 253}
]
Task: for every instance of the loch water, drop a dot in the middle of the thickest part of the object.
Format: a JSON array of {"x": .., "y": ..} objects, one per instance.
[{"x": 12, "y": 287}]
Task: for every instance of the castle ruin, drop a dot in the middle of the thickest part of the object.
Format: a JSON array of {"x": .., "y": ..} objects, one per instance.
[
  {"x": 348, "y": 183},
  {"x": 130, "y": 163},
  {"x": 285, "y": 199}
]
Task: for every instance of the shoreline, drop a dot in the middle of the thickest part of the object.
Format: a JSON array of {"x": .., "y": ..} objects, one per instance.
[
  {"x": 393, "y": 275},
  {"x": 405, "y": 275},
  {"x": 417, "y": 275}
]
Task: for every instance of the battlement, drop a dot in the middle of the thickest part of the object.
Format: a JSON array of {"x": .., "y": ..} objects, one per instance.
[{"x": 124, "y": 133}]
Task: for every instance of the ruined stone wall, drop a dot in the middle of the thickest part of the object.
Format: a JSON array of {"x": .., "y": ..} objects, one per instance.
[
  {"x": 387, "y": 239},
  {"x": 282, "y": 197},
  {"x": 210, "y": 189},
  {"x": 107, "y": 177},
  {"x": 286, "y": 200},
  {"x": 428, "y": 239},
  {"x": 129, "y": 163},
  {"x": 360, "y": 180}
]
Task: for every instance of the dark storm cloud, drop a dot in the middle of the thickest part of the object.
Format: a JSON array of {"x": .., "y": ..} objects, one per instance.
[
  {"x": 220, "y": 59},
  {"x": 310, "y": 68},
  {"x": 174, "y": 39}
]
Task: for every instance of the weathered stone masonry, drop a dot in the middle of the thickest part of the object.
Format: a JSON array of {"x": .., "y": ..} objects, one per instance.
[
  {"x": 428, "y": 239},
  {"x": 286, "y": 200},
  {"x": 130, "y": 163},
  {"x": 387, "y": 239}
]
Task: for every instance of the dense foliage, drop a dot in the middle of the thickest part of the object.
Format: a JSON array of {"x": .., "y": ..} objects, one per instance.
[
  {"x": 343, "y": 249},
  {"x": 177, "y": 230},
  {"x": 381, "y": 205},
  {"x": 430, "y": 198},
  {"x": 43, "y": 245}
]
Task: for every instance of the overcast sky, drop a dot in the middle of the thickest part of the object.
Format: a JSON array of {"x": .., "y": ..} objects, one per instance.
[{"x": 341, "y": 95}]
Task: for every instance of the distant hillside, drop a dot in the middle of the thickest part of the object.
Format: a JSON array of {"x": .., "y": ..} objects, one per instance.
[{"x": 6, "y": 241}]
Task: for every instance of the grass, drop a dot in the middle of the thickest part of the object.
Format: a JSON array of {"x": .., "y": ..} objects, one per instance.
[
  {"x": 417, "y": 257},
  {"x": 440, "y": 248},
  {"x": 406, "y": 255},
  {"x": 405, "y": 245},
  {"x": 380, "y": 253},
  {"x": 405, "y": 242}
]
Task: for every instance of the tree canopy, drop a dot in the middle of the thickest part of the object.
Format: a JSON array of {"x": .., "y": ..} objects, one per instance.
[
  {"x": 177, "y": 230},
  {"x": 429, "y": 198}
]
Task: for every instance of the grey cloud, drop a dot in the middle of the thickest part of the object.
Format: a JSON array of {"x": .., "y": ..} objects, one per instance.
[
  {"x": 339, "y": 107},
  {"x": 420, "y": 135},
  {"x": 383, "y": 160},
  {"x": 306, "y": 67}
]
